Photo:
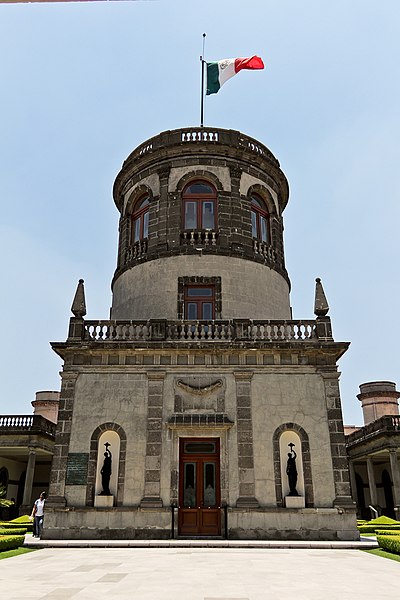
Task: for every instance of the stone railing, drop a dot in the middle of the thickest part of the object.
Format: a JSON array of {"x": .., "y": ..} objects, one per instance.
[
  {"x": 265, "y": 250},
  {"x": 386, "y": 424},
  {"x": 25, "y": 424},
  {"x": 200, "y": 331},
  {"x": 201, "y": 135},
  {"x": 201, "y": 237},
  {"x": 136, "y": 251}
]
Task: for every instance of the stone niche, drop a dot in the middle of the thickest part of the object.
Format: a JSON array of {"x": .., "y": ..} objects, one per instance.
[
  {"x": 199, "y": 394},
  {"x": 291, "y": 437},
  {"x": 101, "y": 500}
]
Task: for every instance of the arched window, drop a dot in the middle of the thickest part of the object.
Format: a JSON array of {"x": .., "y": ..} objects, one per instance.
[
  {"x": 140, "y": 220},
  {"x": 259, "y": 220},
  {"x": 199, "y": 206}
]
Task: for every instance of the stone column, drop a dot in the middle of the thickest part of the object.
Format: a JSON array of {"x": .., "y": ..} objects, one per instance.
[
  {"x": 244, "y": 422},
  {"x": 30, "y": 472},
  {"x": 152, "y": 484},
  {"x": 61, "y": 445},
  {"x": 371, "y": 482},
  {"x": 395, "y": 468},
  {"x": 353, "y": 484}
]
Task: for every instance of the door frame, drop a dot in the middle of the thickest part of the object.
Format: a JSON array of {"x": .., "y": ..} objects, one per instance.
[{"x": 206, "y": 520}]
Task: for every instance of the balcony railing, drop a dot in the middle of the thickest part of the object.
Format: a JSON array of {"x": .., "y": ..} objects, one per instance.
[
  {"x": 200, "y": 237},
  {"x": 202, "y": 135},
  {"x": 136, "y": 251},
  {"x": 200, "y": 331},
  {"x": 386, "y": 424},
  {"x": 26, "y": 424}
]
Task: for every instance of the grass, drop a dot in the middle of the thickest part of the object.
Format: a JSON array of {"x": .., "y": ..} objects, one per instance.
[
  {"x": 16, "y": 552},
  {"x": 380, "y": 552}
]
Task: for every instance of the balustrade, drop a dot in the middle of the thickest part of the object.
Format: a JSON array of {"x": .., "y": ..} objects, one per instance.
[
  {"x": 16, "y": 423},
  {"x": 381, "y": 425},
  {"x": 203, "y": 237},
  {"x": 135, "y": 251},
  {"x": 217, "y": 330},
  {"x": 198, "y": 135},
  {"x": 265, "y": 250}
]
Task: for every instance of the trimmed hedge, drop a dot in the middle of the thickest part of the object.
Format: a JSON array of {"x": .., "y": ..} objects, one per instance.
[
  {"x": 12, "y": 531},
  {"x": 373, "y": 528},
  {"x": 390, "y": 543},
  {"x": 21, "y": 519},
  {"x": 11, "y": 542},
  {"x": 383, "y": 522},
  {"x": 28, "y": 525},
  {"x": 387, "y": 532}
]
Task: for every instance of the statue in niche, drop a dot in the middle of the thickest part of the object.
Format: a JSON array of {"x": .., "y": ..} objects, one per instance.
[
  {"x": 291, "y": 471},
  {"x": 106, "y": 471}
]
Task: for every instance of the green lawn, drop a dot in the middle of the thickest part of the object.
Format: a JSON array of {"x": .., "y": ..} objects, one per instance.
[
  {"x": 380, "y": 552},
  {"x": 9, "y": 553}
]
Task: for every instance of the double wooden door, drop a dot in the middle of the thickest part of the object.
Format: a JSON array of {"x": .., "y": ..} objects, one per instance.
[{"x": 199, "y": 487}]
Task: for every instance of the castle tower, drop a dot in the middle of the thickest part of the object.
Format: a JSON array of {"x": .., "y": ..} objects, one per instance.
[
  {"x": 200, "y": 408},
  {"x": 207, "y": 205}
]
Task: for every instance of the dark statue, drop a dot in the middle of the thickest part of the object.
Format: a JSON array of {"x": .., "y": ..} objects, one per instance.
[
  {"x": 106, "y": 471},
  {"x": 291, "y": 471}
]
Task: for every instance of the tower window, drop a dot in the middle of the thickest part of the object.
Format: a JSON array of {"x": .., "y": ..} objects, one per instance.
[
  {"x": 140, "y": 220},
  {"x": 199, "y": 206},
  {"x": 199, "y": 302},
  {"x": 260, "y": 220}
]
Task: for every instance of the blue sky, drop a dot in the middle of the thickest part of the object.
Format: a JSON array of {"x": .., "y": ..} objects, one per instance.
[{"x": 82, "y": 84}]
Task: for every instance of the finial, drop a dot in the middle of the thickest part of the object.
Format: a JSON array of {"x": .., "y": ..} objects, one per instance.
[
  {"x": 78, "y": 307},
  {"x": 321, "y": 306}
]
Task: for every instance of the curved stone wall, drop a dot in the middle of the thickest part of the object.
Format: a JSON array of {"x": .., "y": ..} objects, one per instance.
[{"x": 248, "y": 290}]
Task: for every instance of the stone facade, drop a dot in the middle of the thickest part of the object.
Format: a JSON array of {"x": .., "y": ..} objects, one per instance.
[{"x": 241, "y": 390}]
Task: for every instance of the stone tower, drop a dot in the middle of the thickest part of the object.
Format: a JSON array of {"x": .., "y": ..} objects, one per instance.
[{"x": 218, "y": 413}]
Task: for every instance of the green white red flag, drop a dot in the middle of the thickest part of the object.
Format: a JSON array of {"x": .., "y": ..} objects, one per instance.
[{"x": 220, "y": 71}]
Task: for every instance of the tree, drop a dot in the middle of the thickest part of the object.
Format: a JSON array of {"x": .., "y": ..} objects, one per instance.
[{"x": 3, "y": 494}]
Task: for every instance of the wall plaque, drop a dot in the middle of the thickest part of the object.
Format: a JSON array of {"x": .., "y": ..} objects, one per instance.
[{"x": 77, "y": 468}]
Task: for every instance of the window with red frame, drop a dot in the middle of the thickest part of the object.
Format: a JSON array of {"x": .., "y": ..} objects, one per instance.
[
  {"x": 140, "y": 220},
  {"x": 199, "y": 302},
  {"x": 199, "y": 206},
  {"x": 260, "y": 220}
]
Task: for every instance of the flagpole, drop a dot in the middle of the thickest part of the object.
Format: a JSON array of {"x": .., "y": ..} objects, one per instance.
[{"x": 202, "y": 84}]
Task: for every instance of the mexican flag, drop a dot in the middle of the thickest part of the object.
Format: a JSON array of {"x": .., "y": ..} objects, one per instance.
[{"x": 222, "y": 70}]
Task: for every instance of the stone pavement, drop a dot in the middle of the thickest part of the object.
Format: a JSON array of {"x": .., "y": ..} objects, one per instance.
[{"x": 198, "y": 574}]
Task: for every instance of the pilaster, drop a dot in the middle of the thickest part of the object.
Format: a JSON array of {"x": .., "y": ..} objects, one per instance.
[
  {"x": 152, "y": 475},
  {"x": 340, "y": 466},
  {"x": 62, "y": 440},
  {"x": 247, "y": 497}
]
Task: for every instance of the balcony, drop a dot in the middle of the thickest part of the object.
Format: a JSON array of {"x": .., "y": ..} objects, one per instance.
[
  {"x": 136, "y": 251},
  {"x": 235, "y": 330},
  {"x": 200, "y": 237},
  {"x": 388, "y": 424},
  {"x": 33, "y": 424}
]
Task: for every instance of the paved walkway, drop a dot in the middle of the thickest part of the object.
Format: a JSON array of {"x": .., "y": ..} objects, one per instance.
[{"x": 198, "y": 574}]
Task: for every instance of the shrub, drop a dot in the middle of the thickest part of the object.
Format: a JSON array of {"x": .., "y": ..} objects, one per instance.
[
  {"x": 393, "y": 532},
  {"x": 383, "y": 521},
  {"x": 17, "y": 524},
  {"x": 390, "y": 543},
  {"x": 21, "y": 519},
  {"x": 10, "y": 542},
  {"x": 12, "y": 531}
]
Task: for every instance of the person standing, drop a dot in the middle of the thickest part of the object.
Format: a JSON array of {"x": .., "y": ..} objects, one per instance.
[{"x": 38, "y": 515}]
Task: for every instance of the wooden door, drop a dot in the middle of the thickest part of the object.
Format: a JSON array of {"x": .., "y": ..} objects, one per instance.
[{"x": 199, "y": 487}]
